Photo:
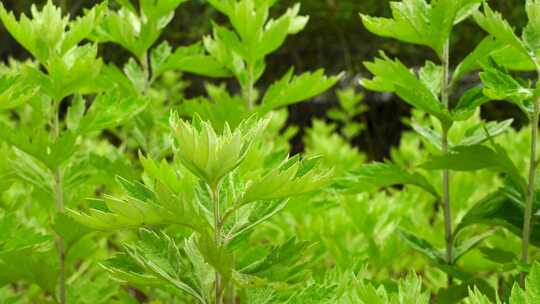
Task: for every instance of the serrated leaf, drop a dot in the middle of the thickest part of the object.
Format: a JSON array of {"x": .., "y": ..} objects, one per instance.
[
  {"x": 159, "y": 261},
  {"x": 292, "y": 177},
  {"x": 468, "y": 103},
  {"x": 477, "y": 57},
  {"x": 75, "y": 112},
  {"x": 431, "y": 75},
  {"x": 531, "y": 294},
  {"x": 415, "y": 21},
  {"x": 110, "y": 109},
  {"x": 505, "y": 208},
  {"x": 192, "y": 59},
  {"x": 501, "y": 86},
  {"x": 279, "y": 261},
  {"x": 475, "y": 157},
  {"x": 372, "y": 177},
  {"x": 15, "y": 91},
  {"x": 531, "y": 33},
  {"x": 393, "y": 76},
  {"x": 423, "y": 247},
  {"x": 480, "y": 134},
  {"x": 293, "y": 89},
  {"x": 493, "y": 23}
]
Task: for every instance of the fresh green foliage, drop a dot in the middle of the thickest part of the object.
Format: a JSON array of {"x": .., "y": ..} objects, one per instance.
[
  {"x": 120, "y": 184},
  {"x": 430, "y": 90},
  {"x": 228, "y": 196}
]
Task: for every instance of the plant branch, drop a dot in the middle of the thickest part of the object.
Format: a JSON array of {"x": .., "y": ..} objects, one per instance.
[
  {"x": 217, "y": 238},
  {"x": 530, "y": 188},
  {"x": 449, "y": 240},
  {"x": 59, "y": 202}
]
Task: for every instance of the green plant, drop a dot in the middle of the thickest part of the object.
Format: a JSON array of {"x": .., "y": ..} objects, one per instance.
[
  {"x": 230, "y": 194},
  {"x": 429, "y": 90},
  {"x": 49, "y": 152},
  {"x": 500, "y": 85}
]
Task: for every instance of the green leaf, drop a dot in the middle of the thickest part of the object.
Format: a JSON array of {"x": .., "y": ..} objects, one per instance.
[
  {"x": 293, "y": 89},
  {"x": 493, "y": 23},
  {"x": 393, "y": 76},
  {"x": 531, "y": 294},
  {"x": 135, "y": 73},
  {"x": 475, "y": 59},
  {"x": 457, "y": 292},
  {"x": 34, "y": 267},
  {"x": 219, "y": 109},
  {"x": 431, "y": 75},
  {"x": 423, "y": 247},
  {"x": 75, "y": 112},
  {"x": 15, "y": 91},
  {"x": 278, "y": 264},
  {"x": 429, "y": 134},
  {"x": 192, "y": 59},
  {"x": 531, "y": 33},
  {"x": 468, "y": 245},
  {"x": 498, "y": 255},
  {"x": 480, "y": 134},
  {"x": 417, "y": 22},
  {"x": 210, "y": 155},
  {"x": 158, "y": 57},
  {"x": 468, "y": 103},
  {"x": 110, "y": 109},
  {"x": 137, "y": 33},
  {"x": 477, "y": 297},
  {"x": 258, "y": 36},
  {"x": 475, "y": 157},
  {"x": 159, "y": 261},
  {"x": 70, "y": 230},
  {"x": 219, "y": 257},
  {"x": 292, "y": 177},
  {"x": 73, "y": 72},
  {"x": 25, "y": 254},
  {"x": 436, "y": 256},
  {"x": 275, "y": 31},
  {"x": 505, "y": 208},
  {"x": 501, "y": 86},
  {"x": 38, "y": 145},
  {"x": 40, "y": 34},
  {"x": 371, "y": 177}
]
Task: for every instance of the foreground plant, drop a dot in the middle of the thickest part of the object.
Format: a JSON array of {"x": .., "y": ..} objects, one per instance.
[
  {"x": 219, "y": 193},
  {"x": 430, "y": 90}
]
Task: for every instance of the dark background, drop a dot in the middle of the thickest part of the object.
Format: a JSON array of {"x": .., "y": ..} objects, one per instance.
[{"x": 334, "y": 39}]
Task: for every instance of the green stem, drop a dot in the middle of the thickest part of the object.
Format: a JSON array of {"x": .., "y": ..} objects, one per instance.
[
  {"x": 449, "y": 240},
  {"x": 217, "y": 238},
  {"x": 59, "y": 202},
  {"x": 530, "y": 190},
  {"x": 446, "y": 203}
]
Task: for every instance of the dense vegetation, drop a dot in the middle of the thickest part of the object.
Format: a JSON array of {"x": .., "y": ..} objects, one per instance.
[{"x": 121, "y": 183}]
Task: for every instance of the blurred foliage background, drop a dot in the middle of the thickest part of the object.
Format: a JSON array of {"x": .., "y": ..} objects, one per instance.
[{"x": 335, "y": 40}]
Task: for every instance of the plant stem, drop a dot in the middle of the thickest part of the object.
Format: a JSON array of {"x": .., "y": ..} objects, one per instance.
[
  {"x": 446, "y": 173},
  {"x": 530, "y": 190},
  {"x": 446, "y": 203},
  {"x": 217, "y": 238},
  {"x": 59, "y": 202},
  {"x": 249, "y": 88}
]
